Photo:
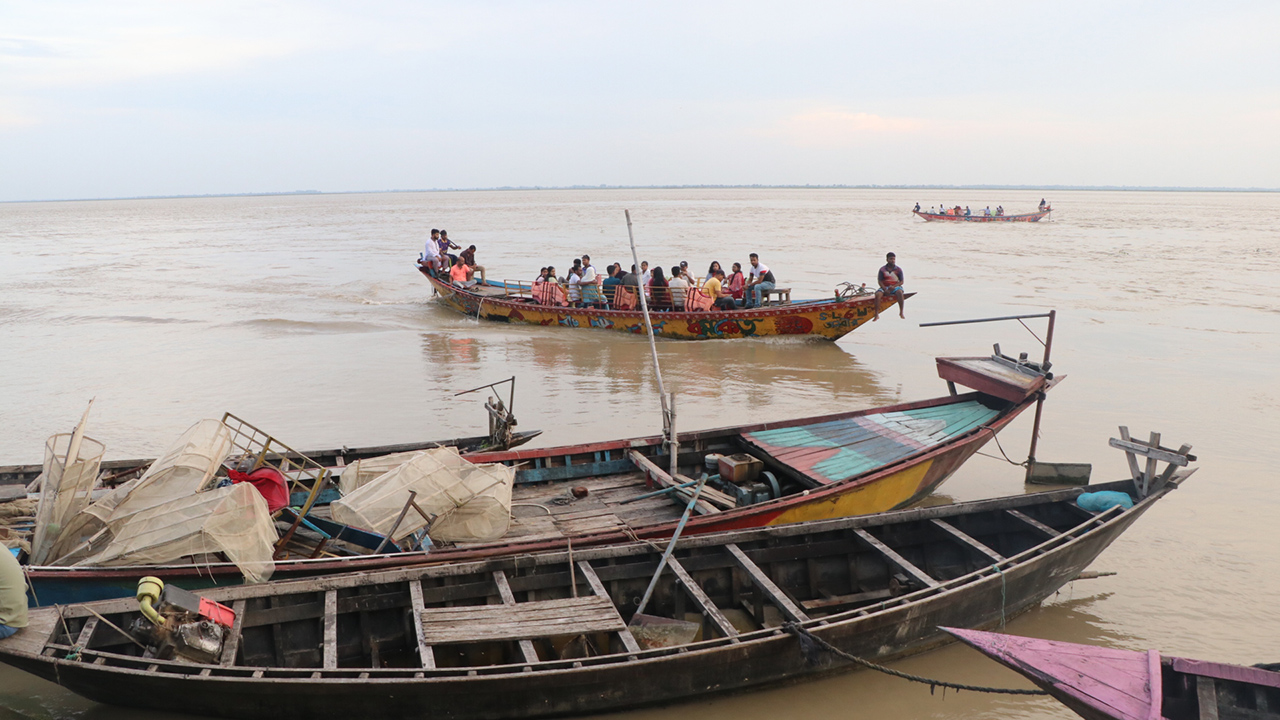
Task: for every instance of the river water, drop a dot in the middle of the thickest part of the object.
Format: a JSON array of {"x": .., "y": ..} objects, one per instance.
[{"x": 305, "y": 316}]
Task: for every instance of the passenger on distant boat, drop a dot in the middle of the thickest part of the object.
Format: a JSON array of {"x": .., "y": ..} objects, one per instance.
[
  {"x": 645, "y": 276},
  {"x": 446, "y": 245},
  {"x": 891, "y": 279},
  {"x": 711, "y": 271},
  {"x": 737, "y": 283},
  {"x": 468, "y": 256},
  {"x": 591, "y": 294},
  {"x": 761, "y": 280},
  {"x": 715, "y": 289},
  {"x": 1043, "y": 205},
  {"x": 917, "y": 208},
  {"x": 610, "y": 284},
  {"x": 987, "y": 212},
  {"x": 631, "y": 278},
  {"x": 679, "y": 288},
  {"x": 13, "y": 594},
  {"x": 966, "y": 211},
  {"x": 659, "y": 293},
  {"x": 461, "y": 275},
  {"x": 574, "y": 281},
  {"x": 999, "y": 211},
  {"x": 431, "y": 254}
]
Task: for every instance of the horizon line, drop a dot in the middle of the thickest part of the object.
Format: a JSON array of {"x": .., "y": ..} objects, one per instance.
[{"x": 756, "y": 186}]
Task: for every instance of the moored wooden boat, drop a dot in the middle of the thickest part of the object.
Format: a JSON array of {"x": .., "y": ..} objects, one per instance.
[
  {"x": 549, "y": 634},
  {"x": 1036, "y": 216},
  {"x": 1099, "y": 683},
  {"x": 513, "y": 302},
  {"x": 830, "y": 466}
]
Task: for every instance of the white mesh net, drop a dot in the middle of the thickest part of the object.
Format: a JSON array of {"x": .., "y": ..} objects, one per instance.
[
  {"x": 232, "y": 520},
  {"x": 359, "y": 473},
  {"x": 472, "y": 502},
  {"x": 187, "y": 467},
  {"x": 71, "y": 464}
]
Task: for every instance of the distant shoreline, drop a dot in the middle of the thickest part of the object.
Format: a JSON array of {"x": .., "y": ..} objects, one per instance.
[{"x": 525, "y": 188}]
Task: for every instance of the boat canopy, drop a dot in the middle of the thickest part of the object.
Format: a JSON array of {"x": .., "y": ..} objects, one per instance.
[{"x": 472, "y": 503}]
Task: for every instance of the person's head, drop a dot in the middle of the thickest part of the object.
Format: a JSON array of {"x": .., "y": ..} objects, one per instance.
[
  {"x": 675, "y": 271},
  {"x": 542, "y": 272},
  {"x": 550, "y": 271},
  {"x": 644, "y": 266},
  {"x": 435, "y": 233},
  {"x": 471, "y": 248},
  {"x": 684, "y": 264},
  {"x": 658, "y": 276},
  {"x": 754, "y": 258},
  {"x": 577, "y": 263},
  {"x": 611, "y": 270},
  {"x": 714, "y": 267},
  {"x": 444, "y": 233},
  {"x": 718, "y": 273},
  {"x": 586, "y": 260},
  {"x": 737, "y": 267},
  {"x": 890, "y": 258}
]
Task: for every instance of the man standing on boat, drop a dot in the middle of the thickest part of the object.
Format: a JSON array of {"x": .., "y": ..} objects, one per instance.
[{"x": 890, "y": 278}]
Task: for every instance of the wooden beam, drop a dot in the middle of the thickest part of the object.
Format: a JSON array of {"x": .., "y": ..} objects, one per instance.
[
  {"x": 695, "y": 591},
  {"x": 86, "y": 632},
  {"x": 232, "y": 645},
  {"x": 597, "y": 587},
  {"x": 765, "y": 585},
  {"x": 647, "y": 466},
  {"x": 963, "y": 537},
  {"x": 509, "y": 598},
  {"x": 425, "y": 653},
  {"x": 1134, "y": 472},
  {"x": 1147, "y": 451},
  {"x": 1207, "y": 697},
  {"x": 330, "y": 629},
  {"x": 1032, "y": 522},
  {"x": 1149, "y": 475},
  {"x": 915, "y": 572}
]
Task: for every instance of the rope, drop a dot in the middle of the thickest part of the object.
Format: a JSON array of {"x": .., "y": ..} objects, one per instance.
[
  {"x": 810, "y": 644},
  {"x": 996, "y": 437}
]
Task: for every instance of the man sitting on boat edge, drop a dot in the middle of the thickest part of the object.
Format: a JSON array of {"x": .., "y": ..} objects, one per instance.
[
  {"x": 890, "y": 278},
  {"x": 13, "y": 594}
]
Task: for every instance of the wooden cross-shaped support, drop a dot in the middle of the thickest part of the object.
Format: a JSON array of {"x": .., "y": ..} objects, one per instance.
[{"x": 1145, "y": 480}]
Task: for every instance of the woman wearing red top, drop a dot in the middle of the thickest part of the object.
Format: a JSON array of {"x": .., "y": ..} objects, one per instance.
[{"x": 736, "y": 282}]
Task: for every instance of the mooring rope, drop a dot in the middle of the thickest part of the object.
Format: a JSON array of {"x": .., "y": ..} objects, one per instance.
[
  {"x": 996, "y": 437},
  {"x": 810, "y": 644}
]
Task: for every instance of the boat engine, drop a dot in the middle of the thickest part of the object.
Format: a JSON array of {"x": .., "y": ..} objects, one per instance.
[
  {"x": 179, "y": 625},
  {"x": 743, "y": 478}
]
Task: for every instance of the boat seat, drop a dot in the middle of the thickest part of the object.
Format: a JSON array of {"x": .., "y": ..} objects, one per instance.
[
  {"x": 784, "y": 296},
  {"x": 521, "y": 621}
]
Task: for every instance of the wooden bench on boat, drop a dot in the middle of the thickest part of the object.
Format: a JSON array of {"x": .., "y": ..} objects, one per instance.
[{"x": 783, "y": 296}]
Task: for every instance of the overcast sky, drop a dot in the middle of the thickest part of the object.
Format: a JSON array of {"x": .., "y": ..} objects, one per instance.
[{"x": 138, "y": 98}]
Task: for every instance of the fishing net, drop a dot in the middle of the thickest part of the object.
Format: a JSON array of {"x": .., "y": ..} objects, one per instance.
[
  {"x": 359, "y": 473},
  {"x": 187, "y": 467},
  {"x": 232, "y": 520},
  {"x": 471, "y": 502},
  {"x": 71, "y": 463}
]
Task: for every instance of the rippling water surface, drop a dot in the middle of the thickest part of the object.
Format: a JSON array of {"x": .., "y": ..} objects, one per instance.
[{"x": 305, "y": 316}]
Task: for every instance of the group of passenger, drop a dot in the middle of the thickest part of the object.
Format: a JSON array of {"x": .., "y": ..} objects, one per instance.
[
  {"x": 459, "y": 268},
  {"x": 678, "y": 290},
  {"x": 986, "y": 212}
]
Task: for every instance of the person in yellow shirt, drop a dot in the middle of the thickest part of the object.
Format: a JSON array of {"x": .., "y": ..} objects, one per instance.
[
  {"x": 714, "y": 287},
  {"x": 13, "y": 594}
]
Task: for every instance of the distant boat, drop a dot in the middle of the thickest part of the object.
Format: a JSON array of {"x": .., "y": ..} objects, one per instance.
[
  {"x": 978, "y": 217},
  {"x": 514, "y": 302},
  {"x": 1101, "y": 683}
]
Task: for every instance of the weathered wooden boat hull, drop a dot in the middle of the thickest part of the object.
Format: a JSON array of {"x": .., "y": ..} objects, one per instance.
[
  {"x": 1025, "y": 217},
  {"x": 907, "y": 624},
  {"x": 830, "y": 319},
  {"x": 1099, "y": 683},
  {"x": 892, "y": 487}
]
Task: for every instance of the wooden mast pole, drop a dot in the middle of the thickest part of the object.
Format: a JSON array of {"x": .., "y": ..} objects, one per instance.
[
  {"x": 1035, "y": 425},
  {"x": 668, "y": 402}
]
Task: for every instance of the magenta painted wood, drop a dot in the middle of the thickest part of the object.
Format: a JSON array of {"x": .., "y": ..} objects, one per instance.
[
  {"x": 1095, "y": 682},
  {"x": 1237, "y": 673}
]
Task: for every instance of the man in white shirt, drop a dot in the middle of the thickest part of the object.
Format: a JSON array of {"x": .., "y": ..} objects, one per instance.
[
  {"x": 679, "y": 289},
  {"x": 645, "y": 276},
  {"x": 431, "y": 253},
  {"x": 759, "y": 281}
]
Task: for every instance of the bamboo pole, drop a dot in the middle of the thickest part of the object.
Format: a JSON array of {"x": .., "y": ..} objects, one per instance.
[{"x": 668, "y": 402}]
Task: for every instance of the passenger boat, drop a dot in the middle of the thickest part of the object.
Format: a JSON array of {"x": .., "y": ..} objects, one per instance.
[
  {"x": 1024, "y": 217},
  {"x": 558, "y": 633},
  {"x": 513, "y": 302},
  {"x": 829, "y": 466},
  {"x": 1100, "y": 683}
]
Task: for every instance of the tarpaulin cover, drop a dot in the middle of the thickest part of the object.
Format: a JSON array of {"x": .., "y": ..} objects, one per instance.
[
  {"x": 232, "y": 520},
  {"x": 472, "y": 502},
  {"x": 270, "y": 483}
]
